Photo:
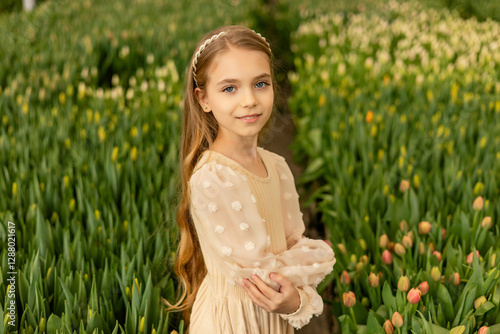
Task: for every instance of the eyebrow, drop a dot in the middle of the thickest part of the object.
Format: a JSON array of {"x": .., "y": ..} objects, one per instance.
[{"x": 260, "y": 76}]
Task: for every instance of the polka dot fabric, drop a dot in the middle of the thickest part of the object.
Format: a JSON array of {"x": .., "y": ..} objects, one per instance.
[{"x": 248, "y": 225}]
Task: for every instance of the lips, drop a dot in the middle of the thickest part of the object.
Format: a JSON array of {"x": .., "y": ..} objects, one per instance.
[{"x": 249, "y": 116}]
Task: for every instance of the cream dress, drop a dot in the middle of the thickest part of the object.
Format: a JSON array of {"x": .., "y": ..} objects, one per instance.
[{"x": 248, "y": 225}]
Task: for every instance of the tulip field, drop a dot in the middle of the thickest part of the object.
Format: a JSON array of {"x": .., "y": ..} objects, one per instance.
[
  {"x": 90, "y": 125},
  {"x": 397, "y": 110},
  {"x": 398, "y": 116}
]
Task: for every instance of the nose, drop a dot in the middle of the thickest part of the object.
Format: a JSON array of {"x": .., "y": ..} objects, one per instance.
[{"x": 248, "y": 99}]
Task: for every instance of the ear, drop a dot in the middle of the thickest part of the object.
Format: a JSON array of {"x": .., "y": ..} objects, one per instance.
[{"x": 202, "y": 98}]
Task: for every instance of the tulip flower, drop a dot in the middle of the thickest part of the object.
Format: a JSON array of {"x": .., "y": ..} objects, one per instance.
[
  {"x": 391, "y": 246},
  {"x": 424, "y": 227},
  {"x": 387, "y": 257},
  {"x": 424, "y": 287},
  {"x": 373, "y": 280},
  {"x": 421, "y": 248},
  {"x": 404, "y": 186},
  {"x": 431, "y": 247},
  {"x": 435, "y": 274},
  {"x": 403, "y": 225},
  {"x": 399, "y": 249},
  {"x": 486, "y": 222},
  {"x": 397, "y": 320},
  {"x": 437, "y": 255},
  {"x": 478, "y": 203},
  {"x": 342, "y": 248},
  {"x": 345, "y": 278},
  {"x": 388, "y": 328},
  {"x": 407, "y": 242},
  {"x": 362, "y": 243},
  {"x": 443, "y": 233},
  {"x": 369, "y": 116},
  {"x": 414, "y": 296},
  {"x": 470, "y": 257},
  {"x": 383, "y": 241},
  {"x": 455, "y": 279},
  {"x": 349, "y": 299},
  {"x": 403, "y": 284},
  {"x": 483, "y": 330},
  {"x": 410, "y": 235},
  {"x": 479, "y": 302},
  {"x": 457, "y": 330}
]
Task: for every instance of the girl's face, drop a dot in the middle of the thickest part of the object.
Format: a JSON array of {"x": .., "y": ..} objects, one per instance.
[{"x": 239, "y": 93}]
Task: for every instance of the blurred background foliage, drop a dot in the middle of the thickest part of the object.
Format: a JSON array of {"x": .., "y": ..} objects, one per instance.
[{"x": 90, "y": 109}]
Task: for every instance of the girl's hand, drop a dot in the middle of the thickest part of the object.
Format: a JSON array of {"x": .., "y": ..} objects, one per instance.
[{"x": 286, "y": 301}]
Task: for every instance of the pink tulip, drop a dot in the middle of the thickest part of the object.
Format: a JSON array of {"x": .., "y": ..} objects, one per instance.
[
  {"x": 387, "y": 257},
  {"x": 483, "y": 330},
  {"x": 455, "y": 279},
  {"x": 397, "y": 320},
  {"x": 349, "y": 299},
  {"x": 470, "y": 257},
  {"x": 413, "y": 296},
  {"x": 345, "y": 278},
  {"x": 437, "y": 255},
  {"x": 424, "y": 287},
  {"x": 388, "y": 328}
]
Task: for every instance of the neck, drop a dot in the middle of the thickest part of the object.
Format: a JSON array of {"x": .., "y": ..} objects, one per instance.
[{"x": 242, "y": 149}]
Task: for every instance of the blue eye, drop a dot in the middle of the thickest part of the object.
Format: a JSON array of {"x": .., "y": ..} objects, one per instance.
[
  {"x": 229, "y": 89},
  {"x": 261, "y": 84}
]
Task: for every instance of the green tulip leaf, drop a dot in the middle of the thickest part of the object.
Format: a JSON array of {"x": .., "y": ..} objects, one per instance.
[{"x": 484, "y": 308}]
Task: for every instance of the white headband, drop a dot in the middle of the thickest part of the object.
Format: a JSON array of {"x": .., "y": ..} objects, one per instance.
[{"x": 204, "y": 45}]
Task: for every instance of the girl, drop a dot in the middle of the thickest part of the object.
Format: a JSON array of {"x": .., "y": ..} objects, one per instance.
[{"x": 244, "y": 265}]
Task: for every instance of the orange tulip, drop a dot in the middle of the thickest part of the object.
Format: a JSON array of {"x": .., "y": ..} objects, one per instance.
[
  {"x": 349, "y": 299},
  {"x": 397, "y": 320}
]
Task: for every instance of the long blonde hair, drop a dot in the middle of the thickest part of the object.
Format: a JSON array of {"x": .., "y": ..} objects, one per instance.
[{"x": 199, "y": 130}]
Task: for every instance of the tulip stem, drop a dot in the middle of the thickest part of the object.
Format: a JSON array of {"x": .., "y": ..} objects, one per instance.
[{"x": 353, "y": 318}]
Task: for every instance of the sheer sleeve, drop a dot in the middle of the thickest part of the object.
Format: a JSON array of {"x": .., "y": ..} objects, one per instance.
[
  {"x": 226, "y": 217},
  {"x": 311, "y": 302}
]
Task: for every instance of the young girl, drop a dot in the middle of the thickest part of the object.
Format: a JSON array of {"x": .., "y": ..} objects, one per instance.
[{"x": 243, "y": 262}]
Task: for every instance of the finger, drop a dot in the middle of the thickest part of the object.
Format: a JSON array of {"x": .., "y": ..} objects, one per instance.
[
  {"x": 256, "y": 295},
  {"x": 266, "y": 290},
  {"x": 284, "y": 282}
]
